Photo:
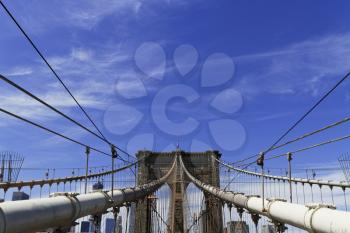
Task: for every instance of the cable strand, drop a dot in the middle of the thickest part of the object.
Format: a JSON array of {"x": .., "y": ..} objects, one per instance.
[
  {"x": 51, "y": 68},
  {"x": 51, "y": 131}
]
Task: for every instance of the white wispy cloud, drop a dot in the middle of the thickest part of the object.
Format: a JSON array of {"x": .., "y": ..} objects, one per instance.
[
  {"x": 82, "y": 14},
  {"x": 19, "y": 71},
  {"x": 25, "y": 106},
  {"x": 73, "y": 132},
  {"x": 86, "y": 14},
  {"x": 306, "y": 67},
  {"x": 81, "y": 54},
  {"x": 91, "y": 13},
  {"x": 268, "y": 117},
  {"x": 90, "y": 74},
  {"x": 89, "y": 62}
]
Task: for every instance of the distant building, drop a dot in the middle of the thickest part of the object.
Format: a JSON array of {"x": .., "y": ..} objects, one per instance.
[
  {"x": 85, "y": 226},
  {"x": 109, "y": 227},
  {"x": 237, "y": 227},
  {"x": 18, "y": 196},
  {"x": 268, "y": 229}
]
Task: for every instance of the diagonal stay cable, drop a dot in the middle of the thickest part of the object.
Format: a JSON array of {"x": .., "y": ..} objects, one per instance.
[
  {"x": 237, "y": 174},
  {"x": 301, "y": 118},
  {"x": 15, "y": 85},
  {"x": 199, "y": 217},
  {"x": 50, "y": 67},
  {"x": 50, "y": 106},
  {"x": 59, "y": 134},
  {"x": 301, "y": 137},
  {"x": 58, "y": 77},
  {"x": 309, "y": 111},
  {"x": 51, "y": 131},
  {"x": 245, "y": 159},
  {"x": 311, "y": 147},
  {"x": 312, "y": 133},
  {"x": 160, "y": 217}
]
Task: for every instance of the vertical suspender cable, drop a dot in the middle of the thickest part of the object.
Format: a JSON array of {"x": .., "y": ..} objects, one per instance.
[{"x": 346, "y": 205}]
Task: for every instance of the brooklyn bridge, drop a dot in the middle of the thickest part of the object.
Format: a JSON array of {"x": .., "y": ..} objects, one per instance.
[
  {"x": 67, "y": 161},
  {"x": 178, "y": 192}
]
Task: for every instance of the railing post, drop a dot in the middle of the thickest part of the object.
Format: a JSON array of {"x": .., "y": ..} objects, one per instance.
[
  {"x": 114, "y": 156},
  {"x": 87, "y": 152},
  {"x": 260, "y": 162},
  {"x": 289, "y": 158}
]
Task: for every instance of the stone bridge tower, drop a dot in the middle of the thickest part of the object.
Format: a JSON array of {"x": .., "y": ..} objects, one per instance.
[{"x": 202, "y": 166}]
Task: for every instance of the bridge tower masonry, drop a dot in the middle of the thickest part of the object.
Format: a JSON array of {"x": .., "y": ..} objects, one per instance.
[{"x": 202, "y": 165}]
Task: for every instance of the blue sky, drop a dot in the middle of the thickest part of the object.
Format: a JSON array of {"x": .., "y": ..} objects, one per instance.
[{"x": 285, "y": 56}]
